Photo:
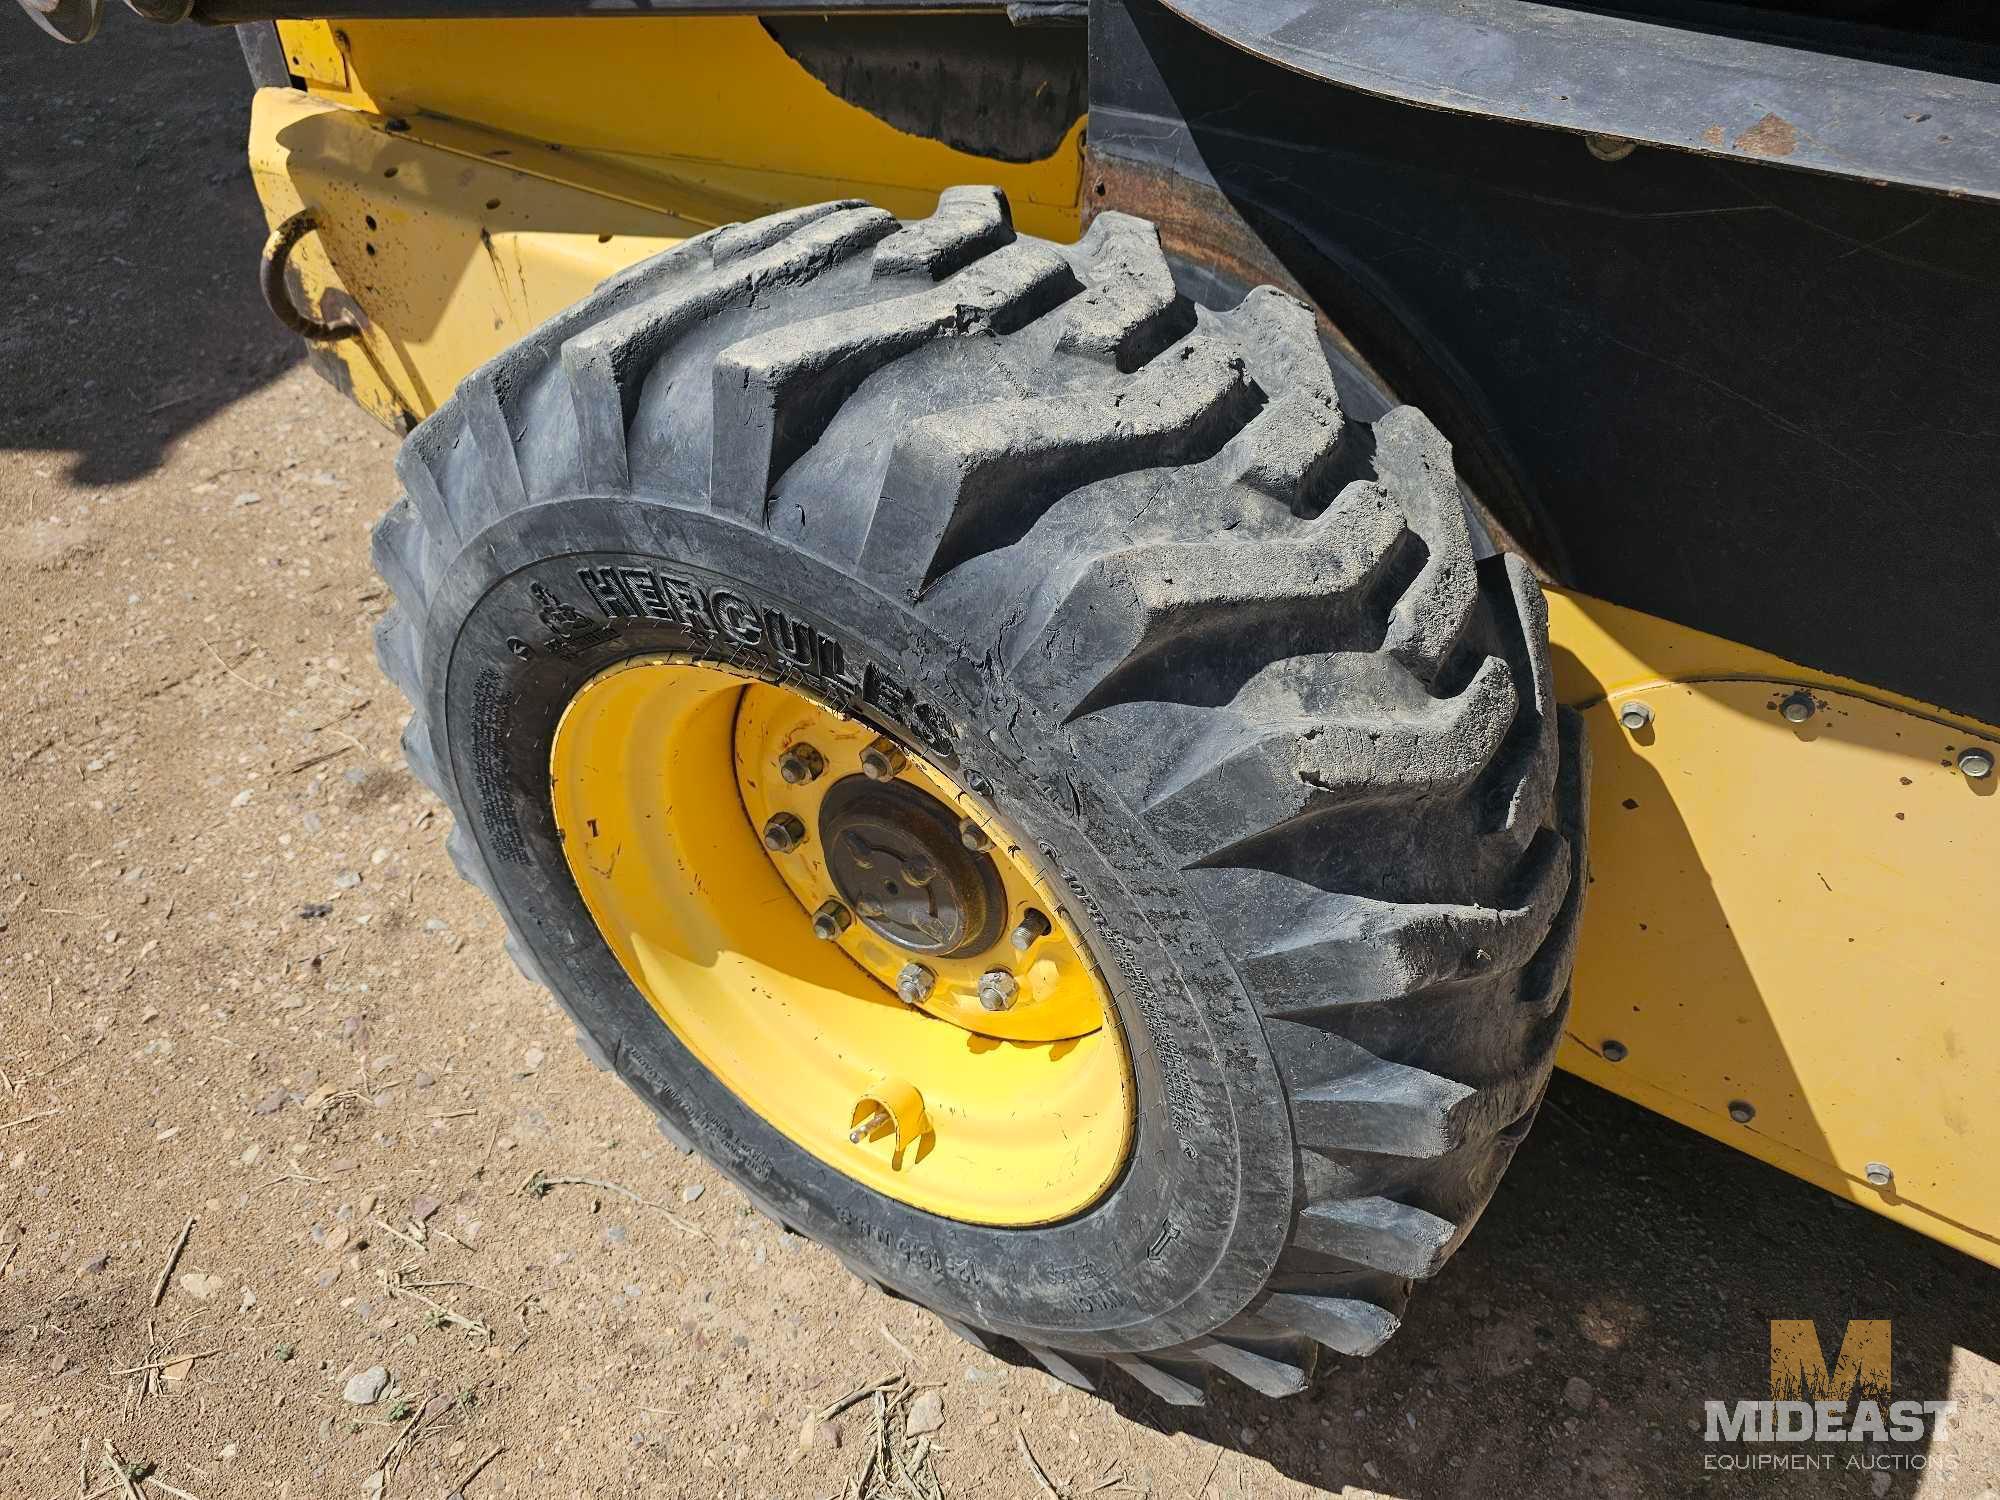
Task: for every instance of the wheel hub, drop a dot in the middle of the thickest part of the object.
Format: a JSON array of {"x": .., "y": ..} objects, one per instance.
[{"x": 895, "y": 856}]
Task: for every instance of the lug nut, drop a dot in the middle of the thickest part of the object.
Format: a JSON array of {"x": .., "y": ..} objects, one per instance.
[
  {"x": 1033, "y": 925},
  {"x": 882, "y": 760},
  {"x": 830, "y": 920},
  {"x": 973, "y": 836},
  {"x": 1798, "y": 708},
  {"x": 784, "y": 833},
  {"x": 997, "y": 989},
  {"x": 915, "y": 984},
  {"x": 799, "y": 764},
  {"x": 1878, "y": 1174},
  {"x": 1635, "y": 715},
  {"x": 1976, "y": 765}
]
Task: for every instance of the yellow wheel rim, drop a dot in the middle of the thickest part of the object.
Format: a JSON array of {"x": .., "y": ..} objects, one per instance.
[{"x": 846, "y": 939}]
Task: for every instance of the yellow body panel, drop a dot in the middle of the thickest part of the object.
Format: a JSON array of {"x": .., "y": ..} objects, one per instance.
[
  {"x": 1792, "y": 917},
  {"x": 1763, "y": 928},
  {"x": 706, "y": 100}
]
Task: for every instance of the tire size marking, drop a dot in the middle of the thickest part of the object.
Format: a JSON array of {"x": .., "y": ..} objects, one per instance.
[{"x": 1176, "y": 1081}]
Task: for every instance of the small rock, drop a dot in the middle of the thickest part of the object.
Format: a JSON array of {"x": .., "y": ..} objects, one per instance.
[
  {"x": 200, "y": 1286},
  {"x": 422, "y": 1208},
  {"x": 366, "y": 1388},
  {"x": 1577, "y": 1392},
  {"x": 533, "y": 1058},
  {"x": 691, "y": 1192},
  {"x": 617, "y": 1234},
  {"x": 354, "y": 776},
  {"x": 423, "y": 1080},
  {"x": 249, "y": 1301},
  {"x": 96, "y": 1264},
  {"x": 926, "y": 1414},
  {"x": 241, "y": 799},
  {"x": 270, "y": 1104},
  {"x": 347, "y": 880},
  {"x": 818, "y": 1434},
  {"x": 248, "y": 497}
]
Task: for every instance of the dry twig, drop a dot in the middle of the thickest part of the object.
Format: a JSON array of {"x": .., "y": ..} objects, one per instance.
[
  {"x": 1034, "y": 1466},
  {"x": 173, "y": 1259},
  {"x": 539, "y": 1183}
]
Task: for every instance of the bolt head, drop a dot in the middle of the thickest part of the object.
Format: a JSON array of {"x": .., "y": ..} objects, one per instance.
[
  {"x": 997, "y": 989},
  {"x": 1741, "y": 1111},
  {"x": 1798, "y": 708},
  {"x": 1614, "y": 1051},
  {"x": 1976, "y": 765},
  {"x": 830, "y": 920},
  {"x": 1635, "y": 715},
  {"x": 1878, "y": 1174},
  {"x": 800, "y": 764},
  {"x": 973, "y": 836},
  {"x": 1032, "y": 927},
  {"x": 882, "y": 760},
  {"x": 915, "y": 984},
  {"x": 783, "y": 833}
]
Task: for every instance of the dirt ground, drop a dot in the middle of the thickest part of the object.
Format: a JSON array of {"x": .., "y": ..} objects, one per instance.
[{"x": 240, "y": 989}]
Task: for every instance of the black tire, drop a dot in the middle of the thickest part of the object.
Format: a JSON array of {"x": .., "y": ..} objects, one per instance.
[{"x": 1226, "y": 658}]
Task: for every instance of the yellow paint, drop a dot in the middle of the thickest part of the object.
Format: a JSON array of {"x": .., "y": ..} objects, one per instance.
[
  {"x": 1060, "y": 996},
  {"x": 1796, "y": 917},
  {"x": 709, "y": 100},
  {"x": 671, "y": 865}
]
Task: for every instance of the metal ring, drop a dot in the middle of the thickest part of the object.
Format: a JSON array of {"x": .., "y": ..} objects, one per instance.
[{"x": 271, "y": 280}]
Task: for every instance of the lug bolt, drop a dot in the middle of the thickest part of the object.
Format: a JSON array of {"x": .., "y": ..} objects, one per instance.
[
  {"x": 1976, "y": 765},
  {"x": 1878, "y": 1174},
  {"x": 830, "y": 920},
  {"x": 1635, "y": 715},
  {"x": 869, "y": 1126},
  {"x": 997, "y": 989},
  {"x": 1741, "y": 1111},
  {"x": 915, "y": 984},
  {"x": 800, "y": 763},
  {"x": 973, "y": 836},
  {"x": 1033, "y": 925},
  {"x": 882, "y": 760},
  {"x": 1798, "y": 708},
  {"x": 784, "y": 833}
]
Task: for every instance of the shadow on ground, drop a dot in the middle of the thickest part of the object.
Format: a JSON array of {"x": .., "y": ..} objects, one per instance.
[
  {"x": 1645, "y": 1262},
  {"x": 131, "y": 235}
]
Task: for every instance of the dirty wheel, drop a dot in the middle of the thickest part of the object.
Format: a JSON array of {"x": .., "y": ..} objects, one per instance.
[{"x": 1002, "y": 767}]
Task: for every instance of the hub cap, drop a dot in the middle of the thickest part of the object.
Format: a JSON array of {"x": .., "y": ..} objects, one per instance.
[{"x": 846, "y": 939}]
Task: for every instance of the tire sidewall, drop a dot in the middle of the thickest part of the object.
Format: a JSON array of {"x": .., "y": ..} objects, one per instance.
[{"x": 549, "y": 596}]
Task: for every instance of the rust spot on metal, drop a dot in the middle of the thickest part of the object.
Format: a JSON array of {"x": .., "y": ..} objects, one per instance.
[
  {"x": 1771, "y": 136},
  {"x": 1713, "y": 136}
]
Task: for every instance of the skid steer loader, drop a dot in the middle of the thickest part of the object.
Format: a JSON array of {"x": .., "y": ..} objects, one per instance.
[{"x": 1016, "y": 604}]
